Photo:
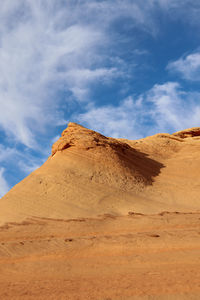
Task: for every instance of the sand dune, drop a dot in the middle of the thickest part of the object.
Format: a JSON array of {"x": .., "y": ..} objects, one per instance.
[{"x": 105, "y": 219}]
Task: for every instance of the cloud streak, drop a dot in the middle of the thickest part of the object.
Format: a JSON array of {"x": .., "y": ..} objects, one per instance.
[
  {"x": 54, "y": 51},
  {"x": 4, "y": 188},
  {"x": 54, "y": 48},
  {"x": 36, "y": 62},
  {"x": 187, "y": 67},
  {"x": 164, "y": 108},
  {"x": 48, "y": 48}
]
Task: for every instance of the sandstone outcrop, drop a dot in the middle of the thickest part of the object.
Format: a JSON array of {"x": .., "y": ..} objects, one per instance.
[
  {"x": 190, "y": 132},
  {"x": 90, "y": 174}
]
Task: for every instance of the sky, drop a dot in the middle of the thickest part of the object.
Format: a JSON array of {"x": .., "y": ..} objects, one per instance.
[{"x": 126, "y": 68}]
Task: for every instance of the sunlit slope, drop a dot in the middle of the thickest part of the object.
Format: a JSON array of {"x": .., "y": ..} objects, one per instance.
[
  {"x": 178, "y": 183},
  {"x": 89, "y": 174}
]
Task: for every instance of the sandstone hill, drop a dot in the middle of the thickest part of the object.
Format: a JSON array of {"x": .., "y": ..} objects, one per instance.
[
  {"x": 105, "y": 218},
  {"x": 89, "y": 174}
]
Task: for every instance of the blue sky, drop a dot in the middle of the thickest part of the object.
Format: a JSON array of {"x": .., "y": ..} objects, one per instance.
[{"x": 125, "y": 68}]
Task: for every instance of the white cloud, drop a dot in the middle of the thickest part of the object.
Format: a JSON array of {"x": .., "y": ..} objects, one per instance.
[
  {"x": 164, "y": 108},
  {"x": 6, "y": 153},
  {"x": 173, "y": 109},
  {"x": 29, "y": 166},
  {"x": 59, "y": 48},
  {"x": 50, "y": 47},
  {"x": 79, "y": 80},
  {"x": 24, "y": 161},
  {"x": 35, "y": 62},
  {"x": 4, "y": 188},
  {"x": 115, "y": 121},
  {"x": 188, "y": 67},
  {"x": 47, "y": 48},
  {"x": 186, "y": 11},
  {"x": 43, "y": 51}
]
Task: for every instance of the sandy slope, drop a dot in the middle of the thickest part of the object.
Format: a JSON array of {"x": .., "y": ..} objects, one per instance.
[
  {"x": 88, "y": 224},
  {"x": 89, "y": 174}
]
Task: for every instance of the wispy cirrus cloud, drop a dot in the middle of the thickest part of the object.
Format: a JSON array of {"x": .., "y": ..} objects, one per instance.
[
  {"x": 164, "y": 108},
  {"x": 35, "y": 64},
  {"x": 53, "y": 51},
  {"x": 187, "y": 67},
  {"x": 54, "y": 48},
  {"x": 172, "y": 108},
  {"x": 17, "y": 162}
]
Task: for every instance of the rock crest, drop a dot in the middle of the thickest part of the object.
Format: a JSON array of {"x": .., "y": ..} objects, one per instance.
[
  {"x": 81, "y": 137},
  {"x": 187, "y": 133}
]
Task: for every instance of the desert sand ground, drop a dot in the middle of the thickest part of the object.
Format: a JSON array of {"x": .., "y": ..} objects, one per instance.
[
  {"x": 108, "y": 257},
  {"x": 105, "y": 219}
]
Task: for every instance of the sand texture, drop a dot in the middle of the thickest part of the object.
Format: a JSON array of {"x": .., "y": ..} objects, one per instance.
[
  {"x": 105, "y": 219},
  {"x": 129, "y": 257}
]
